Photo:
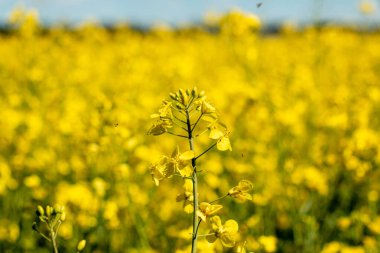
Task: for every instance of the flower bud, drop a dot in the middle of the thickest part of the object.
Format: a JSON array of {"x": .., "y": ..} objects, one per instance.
[
  {"x": 184, "y": 97},
  {"x": 58, "y": 208},
  {"x": 63, "y": 216},
  {"x": 81, "y": 245},
  {"x": 49, "y": 211},
  {"x": 194, "y": 92},
  {"x": 172, "y": 96},
  {"x": 40, "y": 211}
]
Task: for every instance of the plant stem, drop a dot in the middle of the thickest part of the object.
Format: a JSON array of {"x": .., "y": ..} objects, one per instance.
[
  {"x": 52, "y": 236},
  {"x": 195, "y": 187},
  {"x": 219, "y": 198},
  {"x": 204, "y": 152}
]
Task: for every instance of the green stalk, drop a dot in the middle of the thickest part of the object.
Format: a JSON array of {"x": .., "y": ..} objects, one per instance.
[
  {"x": 52, "y": 235},
  {"x": 195, "y": 186}
]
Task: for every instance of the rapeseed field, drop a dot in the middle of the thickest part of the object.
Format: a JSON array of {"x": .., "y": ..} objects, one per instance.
[{"x": 302, "y": 107}]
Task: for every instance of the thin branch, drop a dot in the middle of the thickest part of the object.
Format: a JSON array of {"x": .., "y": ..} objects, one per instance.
[
  {"x": 184, "y": 122},
  {"x": 44, "y": 236},
  {"x": 196, "y": 230},
  {"x": 190, "y": 102},
  {"x": 178, "y": 110},
  {"x": 219, "y": 198},
  {"x": 178, "y": 125},
  {"x": 179, "y": 175},
  {"x": 179, "y": 135},
  {"x": 56, "y": 231},
  {"x": 196, "y": 123},
  {"x": 206, "y": 235},
  {"x": 204, "y": 131},
  {"x": 204, "y": 152}
]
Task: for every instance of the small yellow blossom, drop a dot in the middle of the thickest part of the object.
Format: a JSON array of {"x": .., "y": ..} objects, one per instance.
[
  {"x": 226, "y": 233},
  {"x": 187, "y": 196},
  {"x": 206, "y": 210},
  {"x": 159, "y": 170},
  {"x": 160, "y": 127},
  {"x": 224, "y": 144},
  {"x": 241, "y": 190}
]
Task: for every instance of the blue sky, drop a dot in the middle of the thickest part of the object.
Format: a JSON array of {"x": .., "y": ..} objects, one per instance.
[{"x": 177, "y": 12}]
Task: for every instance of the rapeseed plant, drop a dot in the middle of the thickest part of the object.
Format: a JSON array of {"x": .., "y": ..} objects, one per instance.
[
  {"x": 189, "y": 111},
  {"x": 51, "y": 218}
]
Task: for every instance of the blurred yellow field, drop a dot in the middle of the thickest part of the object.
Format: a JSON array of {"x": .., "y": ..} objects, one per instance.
[{"x": 303, "y": 109}]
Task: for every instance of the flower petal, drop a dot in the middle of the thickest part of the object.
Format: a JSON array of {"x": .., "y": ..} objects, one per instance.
[
  {"x": 224, "y": 144},
  {"x": 231, "y": 226},
  {"x": 228, "y": 240},
  {"x": 188, "y": 155}
]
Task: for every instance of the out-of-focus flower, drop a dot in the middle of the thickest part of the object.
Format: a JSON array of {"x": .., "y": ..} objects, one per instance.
[
  {"x": 226, "y": 233},
  {"x": 269, "y": 243},
  {"x": 241, "y": 190}
]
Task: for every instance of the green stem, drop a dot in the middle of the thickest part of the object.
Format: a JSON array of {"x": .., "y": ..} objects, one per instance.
[
  {"x": 196, "y": 123},
  {"x": 219, "y": 198},
  {"x": 179, "y": 135},
  {"x": 204, "y": 152},
  {"x": 195, "y": 188},
  {"x": 52, "y": 236}
]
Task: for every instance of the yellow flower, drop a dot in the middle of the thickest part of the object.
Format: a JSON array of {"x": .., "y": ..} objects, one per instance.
[
  {"x": 207, "y": 108},
  {"x": 165, "y": 112},
  {"x": 161, "y": 126},
  {"x": 160, "y": 170},
  {"x": 240, "y": 248},
  {"x": 206, "y": 210},
  {"x": 226, "y": 233},
  {"x": 187, "y": 196},
  {"x": 224, "y": 144},
  {"x": 241, "y": 190},
  {"x": 269, "y": 243},
  {"x": 181, "y": 162}
]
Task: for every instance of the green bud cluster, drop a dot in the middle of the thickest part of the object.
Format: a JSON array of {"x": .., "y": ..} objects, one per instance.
[
  {"x": 51, "y": 215},
  {"x": 185, "y": 97},
  {"x": 51, "y": 218}
]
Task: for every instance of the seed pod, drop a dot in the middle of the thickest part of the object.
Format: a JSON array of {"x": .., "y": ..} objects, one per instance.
[
  {"x": 81, "y": 245},
  {"x": 188, "y": 92},
  {"x": 40, "y": 211}
]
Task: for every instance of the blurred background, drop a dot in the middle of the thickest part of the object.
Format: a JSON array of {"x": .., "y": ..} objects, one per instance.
[{"x": 297, "y": 82}]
